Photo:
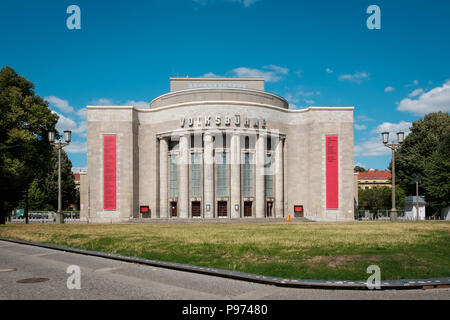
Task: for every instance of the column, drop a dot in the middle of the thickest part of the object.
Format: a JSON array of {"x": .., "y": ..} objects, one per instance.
[
  {"x": 279, "y": 201},
  {"x": 183, "y": 177},
  {"x": 235, "y": 180},
  {"x": 208, "y": 175},
  {"x": 163, "y": 176},
  {"x": 259, "y": 177}
]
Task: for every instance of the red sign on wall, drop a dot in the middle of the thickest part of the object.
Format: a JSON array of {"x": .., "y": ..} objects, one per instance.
[
  {"x": 332, "y": 174},
  {"x": 109, "y": 172}
]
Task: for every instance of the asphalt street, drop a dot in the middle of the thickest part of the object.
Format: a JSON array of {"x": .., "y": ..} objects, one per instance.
[{"x": 102, "y": 278}]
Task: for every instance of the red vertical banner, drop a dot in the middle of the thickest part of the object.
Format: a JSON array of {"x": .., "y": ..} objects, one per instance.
[
  {"x": 332, "y": 173},
  {"x": 109, "y": 172}
]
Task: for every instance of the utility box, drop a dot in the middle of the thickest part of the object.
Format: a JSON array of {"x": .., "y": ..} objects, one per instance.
[
  {"x": 144, "y": 211},
  {"x": 298, "y": 211}
]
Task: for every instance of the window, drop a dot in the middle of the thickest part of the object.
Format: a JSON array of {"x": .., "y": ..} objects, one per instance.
[
  {"x": 196, "y": 174},
  {"x": 247, "y": 174},
  {"x": 173, "y": 176},
  {"x": 222, "y": 175},
  {"x": 269, "y": 143},
  {"x": 268, "y": 176}
]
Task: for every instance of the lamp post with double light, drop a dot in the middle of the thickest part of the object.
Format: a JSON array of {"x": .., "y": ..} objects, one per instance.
[
  {"x": 393, "y": 146},
  {"x": 59, "y": 145}
]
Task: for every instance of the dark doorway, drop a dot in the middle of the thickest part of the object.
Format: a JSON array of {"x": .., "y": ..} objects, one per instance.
[
  {"x": 247, "y": 208},
  {"x": 195, "y": 208},
  {"x": 222, "y": 208},
  {"x": 269, "y": 208},
  {"x": 173, "y": 209}
]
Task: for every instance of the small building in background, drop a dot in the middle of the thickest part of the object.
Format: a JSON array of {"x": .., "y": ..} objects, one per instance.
[
  {"x": 410, "y": 208},
  {"x": 445, "y": 213},
  {"x": 374, "y": 178},
  {"x": 76, "y": 177}
]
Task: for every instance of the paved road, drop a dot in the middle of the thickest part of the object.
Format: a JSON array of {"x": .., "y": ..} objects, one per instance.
[{"x": 109, "y": 279}]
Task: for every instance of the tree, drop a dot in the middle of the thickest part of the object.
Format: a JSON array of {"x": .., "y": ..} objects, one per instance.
[
  {"x": 359, "y": 169},
  {"x": 43, "y": 191},
  {"x": 380, "y": 199},
  {"x": 50, "y": 184},
  {"x": 426, "y": 151},
  {"x": 25, "y": 151}
]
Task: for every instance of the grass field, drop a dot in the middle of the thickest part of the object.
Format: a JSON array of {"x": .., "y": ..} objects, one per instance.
[{"x": 341, "y": 251}]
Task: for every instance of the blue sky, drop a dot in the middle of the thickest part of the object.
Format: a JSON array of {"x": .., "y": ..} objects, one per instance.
[{"x": 317, "y": 53}]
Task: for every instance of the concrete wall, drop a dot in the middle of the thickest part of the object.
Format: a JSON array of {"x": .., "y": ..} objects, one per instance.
[
  {"x": 123, "y": 124},
  {"x": 84, "y": 196}
]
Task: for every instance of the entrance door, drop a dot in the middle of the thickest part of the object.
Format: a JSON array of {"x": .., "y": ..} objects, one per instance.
[
  {"x": 247, "y": 208},
  {"x": 222, "y": 208},
  {"x": 195, "y": 208},
  {"x": 269, "y": 208},
  {"x": 173, "y": 209}
]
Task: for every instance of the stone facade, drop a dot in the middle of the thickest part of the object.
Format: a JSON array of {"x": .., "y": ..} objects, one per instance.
[{"x": 212, "y": 124}]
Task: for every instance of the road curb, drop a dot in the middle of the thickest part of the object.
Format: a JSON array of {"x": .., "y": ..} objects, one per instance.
[{"x": 276, "y": 281}]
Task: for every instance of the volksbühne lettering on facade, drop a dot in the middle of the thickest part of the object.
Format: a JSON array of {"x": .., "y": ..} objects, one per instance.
[{"x": 236, "y": 120}]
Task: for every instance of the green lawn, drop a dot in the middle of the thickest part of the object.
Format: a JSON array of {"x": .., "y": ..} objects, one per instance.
[{"x": 340, "y": 251}]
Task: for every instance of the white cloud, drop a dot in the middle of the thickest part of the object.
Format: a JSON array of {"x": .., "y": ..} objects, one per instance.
[
  {"x": 415, "y": 93},
  {"x": 103, "y": 102},
  {"x": 272, "y": 73},
  {"x": 393, "y": 128},
  {"x": 357, "y": 77},
  {"x": 373, "y": 147},
  {"x": 79, "y": 169},
  {"x": 82, "y": 113},
  {"x": 436, "y": 99},
  {"x": 65, "y": 123},
  {"x": 359, "y": 126},
  {"x": 300, "y": 95},
  {"x": 210, "y": 75},
  {"x": 414, "y": 83},
  {"x": 328, "y": 70},
  {"x": 62, "y": 105},
  {"x": 138, "y": 104},
  {"x": 110, "y": 102},
  {"x": 277, "y": 69},
  {"x": 76, "y": 147},
  {"x": 362, "y": 117},
  {"x": 289, "y": 97},
  {"x": 389, "y": 89}
]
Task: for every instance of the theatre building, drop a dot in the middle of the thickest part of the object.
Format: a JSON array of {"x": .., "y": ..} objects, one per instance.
[{"x": 218, "y": 148}]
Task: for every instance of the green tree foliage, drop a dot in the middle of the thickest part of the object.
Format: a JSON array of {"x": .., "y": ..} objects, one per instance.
[
  {"x": 26, "y": 156},
  {"x": 43, "y": 191},
  {"x": 380, "y": 199},
  {"x": 426, "y": 150},
  {"x": 359, "y": 169},
  {"x": 50, "y": 185}
]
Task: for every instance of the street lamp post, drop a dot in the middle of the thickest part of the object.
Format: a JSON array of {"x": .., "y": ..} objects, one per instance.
[
  {"x": 59, "y": 145},
  {"x": 393, "y": 146}
]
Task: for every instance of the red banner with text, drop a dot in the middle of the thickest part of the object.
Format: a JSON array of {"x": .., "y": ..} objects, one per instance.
[
  {"x": 109, "y": 172},
  {"x": 332, "y": 173}
]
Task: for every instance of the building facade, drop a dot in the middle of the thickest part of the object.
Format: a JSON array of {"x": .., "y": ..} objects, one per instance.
[
  {"x": 218, "y": 148},
  {"x": 374, "y": 179}
]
